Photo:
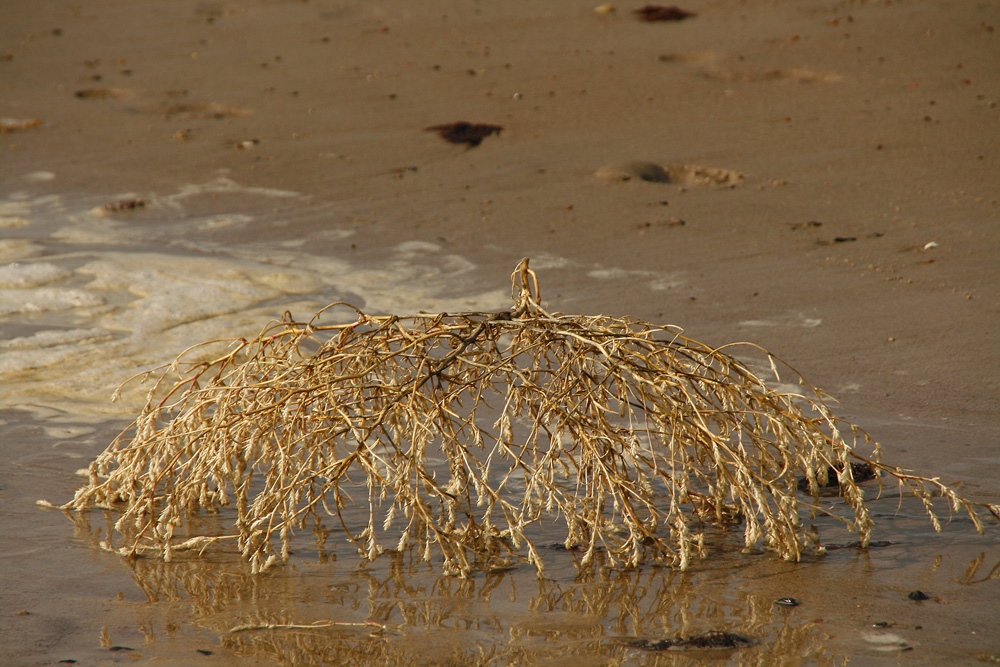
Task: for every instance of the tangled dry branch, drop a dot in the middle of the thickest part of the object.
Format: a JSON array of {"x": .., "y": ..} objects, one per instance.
[{"x": 453, "y": 434}]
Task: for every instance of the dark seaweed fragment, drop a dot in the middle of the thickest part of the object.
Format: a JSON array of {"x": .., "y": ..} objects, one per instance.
[
  {"x": 713, "y": 639},
  {"x": 462, "y": 132},
  {"x": 652, "y": 13}
]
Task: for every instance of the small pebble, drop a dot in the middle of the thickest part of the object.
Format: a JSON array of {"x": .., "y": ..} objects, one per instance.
[
  {"x": 787, "y": 602},
  {"x": 918, "y": 596}
]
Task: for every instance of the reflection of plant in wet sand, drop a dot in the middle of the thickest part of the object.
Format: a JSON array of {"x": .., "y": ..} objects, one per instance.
[
  {"x": 458, "y": 435},
  {"x": 974, "y": 576},
  {"x": 405, "y": 615}
]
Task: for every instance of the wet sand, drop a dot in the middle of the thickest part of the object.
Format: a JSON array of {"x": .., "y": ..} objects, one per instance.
[{"x": 818, "y": 179}]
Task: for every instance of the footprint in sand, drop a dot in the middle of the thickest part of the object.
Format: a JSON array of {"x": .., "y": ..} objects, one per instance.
[
  {"x": 188, "y": 110},
  {"x": 684, "y": 174},
  {"x": 795, "y": 74},
  {"x": 102, "y": 94},
  {"x": 713, "y": 65},
  {"x": 170, "y": 108}
]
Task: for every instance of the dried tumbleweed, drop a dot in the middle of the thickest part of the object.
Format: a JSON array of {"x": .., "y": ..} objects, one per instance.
[{"x": 453, "y": 434}]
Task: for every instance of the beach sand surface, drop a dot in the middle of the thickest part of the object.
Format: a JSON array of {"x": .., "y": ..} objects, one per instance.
[{"x": 820, "y": 178}]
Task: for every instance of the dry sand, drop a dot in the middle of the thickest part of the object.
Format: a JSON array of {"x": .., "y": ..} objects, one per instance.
[{"x": 821, "y": 178}]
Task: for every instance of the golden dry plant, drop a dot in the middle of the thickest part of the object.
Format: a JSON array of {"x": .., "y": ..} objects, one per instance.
[{"x": 455, "y": 436}]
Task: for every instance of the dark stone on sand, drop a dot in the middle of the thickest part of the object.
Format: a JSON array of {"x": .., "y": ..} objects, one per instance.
[{"x": 918, "y": 596}]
